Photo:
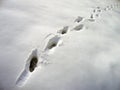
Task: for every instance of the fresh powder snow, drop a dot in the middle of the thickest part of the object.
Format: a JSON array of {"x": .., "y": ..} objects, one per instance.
[{"x": 59, "y": 45}]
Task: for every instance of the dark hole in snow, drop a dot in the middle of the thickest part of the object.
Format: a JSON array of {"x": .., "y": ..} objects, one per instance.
[{"x": 33, "y": 64}]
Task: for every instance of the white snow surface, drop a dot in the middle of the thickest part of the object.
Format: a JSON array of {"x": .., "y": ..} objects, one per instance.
[{"x": 87, "y": 59}]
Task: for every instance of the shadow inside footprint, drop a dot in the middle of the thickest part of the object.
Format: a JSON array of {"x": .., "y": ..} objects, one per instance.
[
  {"x": 79, "y": 27},
  {"x": 79, "y": 19},
  {"x": 91, "y": 16},
  {"x": 33, "y": 64},
  {"x": 52, "y": 45},
  {"x": 98, "y": 7},
  {"x": 98, "y": 10},
  {"x": 53, "y": 42},
  {"x": 94, "y": 10},
  {"x": 97, "y": 15},
  {"x": 91, "y": 19},
  {"x": 64, "y": 30}
]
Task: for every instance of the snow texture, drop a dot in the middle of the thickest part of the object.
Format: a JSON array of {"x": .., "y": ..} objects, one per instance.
[{"x": 80, "y": 40}]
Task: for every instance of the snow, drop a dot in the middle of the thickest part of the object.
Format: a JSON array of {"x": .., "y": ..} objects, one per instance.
[
  {"x": 25, "y": 75},
  {"x": 86, "y": 57}
]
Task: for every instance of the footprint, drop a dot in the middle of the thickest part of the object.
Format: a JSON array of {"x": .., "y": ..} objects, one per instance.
[
  {"x": 52, "y": 43},
  {"x": 79, "y": 27},
  {"x": 97, "y": 15},
  {"x": 79, "y": 19},
  {"x": 91, "y": 16},
  {"x": 91, "y": 19},
  {"x": 111, "y": 6},
  {"x": 94, "y": 10},
  {"x": 108, "y": 7},
  {"x": 64, "y": 30},
  {"x": 98, "y": 7},
  {"x": 105, "y": 9},
  {"x": 98, "y": 10},
  {"x": 30, "y": 66}
]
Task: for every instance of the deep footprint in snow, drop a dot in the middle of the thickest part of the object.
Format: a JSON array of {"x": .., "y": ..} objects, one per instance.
[
  {"x": 49, "y": 48},
  {"x": 94, "y": 10},
  {"x": 29, "y": 68},
  {"x": 79, "y": 27},
  {"x": 108, "y": 7},
  {"x": 64, "y": 30},
  {"x": 98, "y": 10},
  {"x": 52, "y": 43},
  {"x": 91, "y": 19},
  {"x": 105, "y": 9},
  {"x": 98, "y": 7},
  {"x": 79, "y": 19},
  {"x": 97, "y": 15},
  {"x": 91, "y": 16},
  {"x": 111, "y": 6}
]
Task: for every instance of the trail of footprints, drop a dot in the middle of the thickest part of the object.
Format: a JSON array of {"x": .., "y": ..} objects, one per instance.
[{"x": 55, "y": 41}]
